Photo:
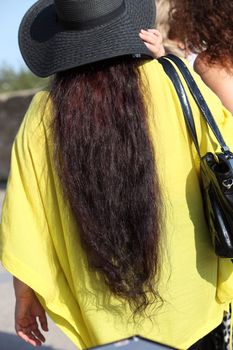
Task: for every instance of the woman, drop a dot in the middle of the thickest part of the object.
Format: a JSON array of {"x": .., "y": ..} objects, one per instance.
[
  {"x": 103, "y": 224},
  {"x": 206, "y": 29},
  {"x": 163, "y": 39}
]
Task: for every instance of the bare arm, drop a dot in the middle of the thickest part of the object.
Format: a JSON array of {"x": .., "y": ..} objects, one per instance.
[
  {"x": 218, "y": 80},
  {"x": 29, "y": 314}
]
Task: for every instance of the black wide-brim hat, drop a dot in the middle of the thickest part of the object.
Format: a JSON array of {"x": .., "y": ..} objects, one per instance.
[{"x": 56, "y": 35}]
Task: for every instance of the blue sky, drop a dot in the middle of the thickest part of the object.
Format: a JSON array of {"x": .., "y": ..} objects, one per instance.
[{"x": 11, "y": 13}]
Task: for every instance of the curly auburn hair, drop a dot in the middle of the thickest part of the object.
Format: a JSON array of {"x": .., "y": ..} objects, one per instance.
[
  {"x": 205, "y": 25},
  {"x": 106, "y": 163}
]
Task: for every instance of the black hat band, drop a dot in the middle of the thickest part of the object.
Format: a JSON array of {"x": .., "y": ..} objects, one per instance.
[
  {"x": 94, "y": 22},
  {"x": 87, "y": 10}
]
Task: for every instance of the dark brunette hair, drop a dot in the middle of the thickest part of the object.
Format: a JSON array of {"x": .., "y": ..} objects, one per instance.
[
  {"x": 106, "y": 162},
  {"x": 204, "y": 26}
]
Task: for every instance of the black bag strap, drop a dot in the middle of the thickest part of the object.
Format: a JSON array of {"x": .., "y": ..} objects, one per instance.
[
  {"x": 198, "y": 97},
  {"x": 181, "y": 93}
]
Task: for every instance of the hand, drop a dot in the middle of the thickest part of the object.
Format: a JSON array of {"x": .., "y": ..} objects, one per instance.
[
  {"x": 29, "y": 314},
  {"x": 153, "y": 40}
]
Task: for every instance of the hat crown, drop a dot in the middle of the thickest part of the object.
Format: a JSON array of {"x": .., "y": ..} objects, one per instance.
[{"x": 81, "y": 11}]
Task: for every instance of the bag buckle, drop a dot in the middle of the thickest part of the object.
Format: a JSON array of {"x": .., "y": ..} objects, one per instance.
[{"x": 228, "y": 183}]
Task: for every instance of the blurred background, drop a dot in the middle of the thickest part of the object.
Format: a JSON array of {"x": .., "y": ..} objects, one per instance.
[
  {"x": 17, "y": 87},
  {"x": 14, "y": 75}
]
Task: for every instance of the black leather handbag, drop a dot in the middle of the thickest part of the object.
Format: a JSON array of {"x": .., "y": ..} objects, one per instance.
[{"x": 216, "y": 168}]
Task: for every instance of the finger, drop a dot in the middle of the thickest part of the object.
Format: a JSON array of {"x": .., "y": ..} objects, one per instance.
[
  {"x": 157, "y": 53},
  {"x": 151, "y": 48},
  {"x": 156, "y": 39},
  {"x": 150, "y": 39},
  {"x": 38, "y": 335},
  {"x": 147, "y": 33},
  {"x": 29, "y": 338},
  {"x": 43, "y": 322},
  {"x": 154, "y": 31}
]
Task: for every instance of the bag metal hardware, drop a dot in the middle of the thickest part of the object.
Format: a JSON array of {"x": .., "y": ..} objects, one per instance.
[{"x": 228, "y": 183}]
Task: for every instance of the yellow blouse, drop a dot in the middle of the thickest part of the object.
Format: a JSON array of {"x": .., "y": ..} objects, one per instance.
[{"x": 39, "y": 243}]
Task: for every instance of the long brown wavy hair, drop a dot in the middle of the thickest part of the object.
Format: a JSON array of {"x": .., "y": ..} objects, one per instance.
[
  {"x": 205, "y": 25},
  {"x": 106, "y": 163}
]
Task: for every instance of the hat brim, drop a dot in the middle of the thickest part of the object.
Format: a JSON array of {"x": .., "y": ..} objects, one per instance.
[{"x": 48, "y": 47}]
